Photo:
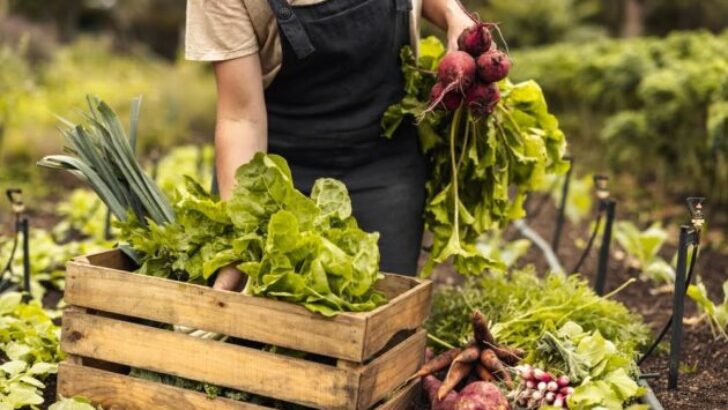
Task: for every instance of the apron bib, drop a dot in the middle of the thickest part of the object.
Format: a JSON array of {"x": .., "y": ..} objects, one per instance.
[{"x": 340, "y": 71}]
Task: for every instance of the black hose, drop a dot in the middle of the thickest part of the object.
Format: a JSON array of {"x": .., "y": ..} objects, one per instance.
[
  {"x": 589, "y": 244},
  {"x": 667, "y": 326}
]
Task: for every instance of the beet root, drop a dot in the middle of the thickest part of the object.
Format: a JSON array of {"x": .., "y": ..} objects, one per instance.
[
  {"x": 431, "y": 384},
  {"x": 475, "y": 40},
  {"x": 482, "y": 396},
  {"x": 493, "y": 66},
  {"x": 457, "y": 70},
  {"x": 450, "y": 100},
  {"x": 482, "y": 99}
]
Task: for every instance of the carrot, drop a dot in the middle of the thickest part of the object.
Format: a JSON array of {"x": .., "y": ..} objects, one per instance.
[
  {"x": 457, "y": 372},
  {"x": 440, "y": 362},
  {"x": 483, "y": 373},
  {"x": 490, "y": 361},
  {"x": 468, "y": 355},
  {"x": 509, "y": 355},
  {"x": 480, "y": 328}
]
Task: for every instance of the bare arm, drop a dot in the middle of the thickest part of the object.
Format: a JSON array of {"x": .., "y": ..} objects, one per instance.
[
  {"x": 449, "y": 15},
  {"x": 241, "y": 130}
]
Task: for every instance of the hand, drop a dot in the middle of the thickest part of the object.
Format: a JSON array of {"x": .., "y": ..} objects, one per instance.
[
  {"x": 456, "y": 23},
  {"x": 229, "y": 278}
]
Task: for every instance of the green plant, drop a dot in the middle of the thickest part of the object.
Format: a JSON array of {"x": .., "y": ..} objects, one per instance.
[
  {"x": 579, "y": 203},
  {"x": 653, "y": 106},
  {"x": 495, "y": 247},
  {"x": 29, "y": 340},
  {"x": 73, "y": 403},
  {"x": 483, "y": 166},
  {"x": 643, "y": 247},
  {"x": 717, "y": 314}
]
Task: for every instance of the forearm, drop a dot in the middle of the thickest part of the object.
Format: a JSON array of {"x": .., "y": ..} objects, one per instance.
[
  {"x": 444, "y": 13},
  {"x": 236, "y": 142}
]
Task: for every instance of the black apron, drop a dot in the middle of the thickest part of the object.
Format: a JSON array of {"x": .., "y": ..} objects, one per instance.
[{"x": 340, "y": 71}]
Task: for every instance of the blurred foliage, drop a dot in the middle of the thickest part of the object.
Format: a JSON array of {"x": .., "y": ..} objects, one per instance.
[
  {"x": 656, "y": 108},
  {"x": 178, "y": 98},
  {"x": 539, "y": 22}
]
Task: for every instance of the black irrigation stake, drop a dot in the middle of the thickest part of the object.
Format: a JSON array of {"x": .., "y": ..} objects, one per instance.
[
  {"x": 22, "y": 225},
  {"x": 608, "y": 206},
  {"x": 562, "y": 206},
  {"x": 689, "y": 237}
]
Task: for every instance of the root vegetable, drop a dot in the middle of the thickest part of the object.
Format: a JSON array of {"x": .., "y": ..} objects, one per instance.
[
  {"x": 563, "y": 380},
  {"x": 457, "y": 372},
  {"x": 431, "y": 384},
  {"x": 508, "y": 355},
  {"x": 491, "y": 362},
  {"x": 559, "y": 401},
  {"x": 552, "y": 386},
  {"x": 493, "y": 66},
  {"x": 468, "y": 355},
  {"x": 482, "y": 98},
  {"x": 456, "y": 71},
  {"x": 480, "y": 324},
  {"x": 541, "y": 376},
  {"x": 450, "y": 100},
  {"x": 475, "y": 40},
  {"x": 482, "y": 396},
  {"x": 483, "y": 373},
  {"x": 438, "y": 363}
]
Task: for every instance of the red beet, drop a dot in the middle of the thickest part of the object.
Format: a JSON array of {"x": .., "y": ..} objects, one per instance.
[
  {"x": 482, "y": 98},
  {"x": 493, "y": 65},
  {"x": 451, "y": 100},
  {"x": 482, "y": 396},
  {"x": 456, "y": 69},
  {"x": 431, "y": 384},
  {"x": 455, "y": 73},
  {"x": 475, "y": 40}
]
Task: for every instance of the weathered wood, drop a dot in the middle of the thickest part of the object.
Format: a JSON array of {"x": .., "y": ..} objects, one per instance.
[
  {"x": 350, "y": 336},
  {"x": 390, "y": 370},
  {"x": 201, "y": 307},
  {"x": 119, "y": 392},
  {"x": 110, "y": 258},
  {"x": 232, "y": 366},
  {"x": 404, "y": 398},
  {"x": 406, "y": 311}
]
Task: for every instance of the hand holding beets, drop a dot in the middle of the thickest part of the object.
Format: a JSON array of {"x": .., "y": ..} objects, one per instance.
[{"x": 469, "y": 74}]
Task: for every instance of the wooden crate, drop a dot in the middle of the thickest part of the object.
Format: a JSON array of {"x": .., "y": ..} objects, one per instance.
[{"x": 358, "y": 359}]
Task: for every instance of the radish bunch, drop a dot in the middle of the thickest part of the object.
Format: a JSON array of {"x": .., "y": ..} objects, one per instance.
[
  {"x": 469, "y": 74},
  {"x": 539, "y": 388}
]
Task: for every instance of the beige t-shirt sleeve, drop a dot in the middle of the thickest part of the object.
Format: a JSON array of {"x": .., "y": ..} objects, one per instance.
[{"x": 218, "y": 30}]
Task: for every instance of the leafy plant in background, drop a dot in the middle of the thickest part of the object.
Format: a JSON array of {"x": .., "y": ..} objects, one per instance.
[
  {"x": 579, "y": 202},
  {"x": 717, "y": 314},
  {"x": 653, "y": 106},
  {"x": 73, "y": 403},
  {"x": 494, "y": 246},
  {"x": 29, "y": 340},
  {"x": 642, "y": 248}
]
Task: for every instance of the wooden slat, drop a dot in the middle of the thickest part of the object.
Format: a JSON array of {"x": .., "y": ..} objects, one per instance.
[
  {"x": 407, "y": 311},
  {"x": 404, "y": 398},
  {"x": 395, "y": 285},
  {"x": 113, "y": 258},
  {"x": 251, "y": 318},
  {"x": 118, "y": 392},
  {"x": 386, "y": 372},
  {"x": 223, "y": 364}
]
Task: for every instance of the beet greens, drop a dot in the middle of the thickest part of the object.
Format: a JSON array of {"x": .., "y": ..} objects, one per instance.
[{"x": 486, "y": 153}]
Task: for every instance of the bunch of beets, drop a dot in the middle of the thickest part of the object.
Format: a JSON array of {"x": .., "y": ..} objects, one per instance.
[
  {"x": 470, "y": 74},
  {"x": 539, "y": 388}
]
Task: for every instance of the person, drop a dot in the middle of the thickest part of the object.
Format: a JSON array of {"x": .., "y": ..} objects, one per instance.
[{"x": 310, "y": 80}]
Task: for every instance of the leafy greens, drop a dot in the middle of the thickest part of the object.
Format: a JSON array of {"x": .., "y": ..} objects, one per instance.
[{"x": 482, "y": 167}]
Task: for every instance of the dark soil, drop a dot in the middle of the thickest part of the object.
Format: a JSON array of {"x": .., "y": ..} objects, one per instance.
[{"x": 703, "y": 371}]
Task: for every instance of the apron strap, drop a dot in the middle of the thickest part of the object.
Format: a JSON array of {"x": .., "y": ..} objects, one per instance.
[
  {"x": 292, "y": 28},
  {"x": 403, "y": 8}
]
